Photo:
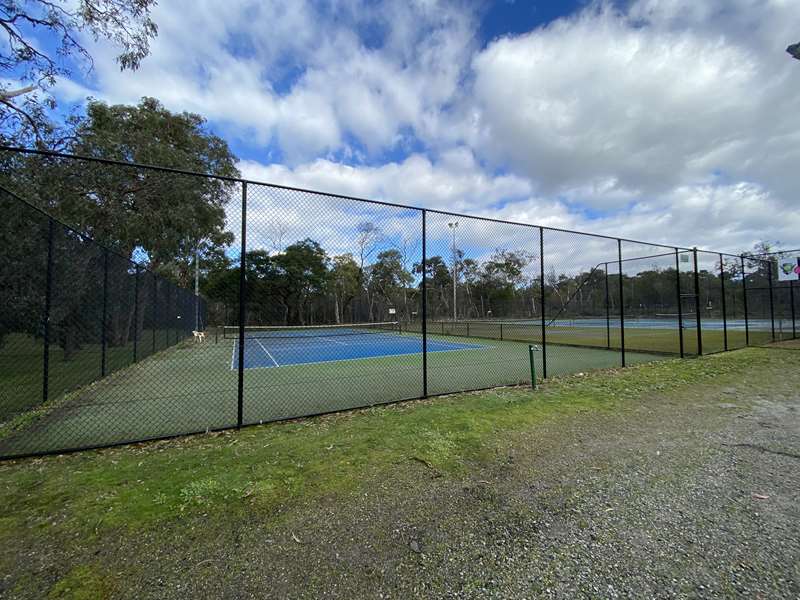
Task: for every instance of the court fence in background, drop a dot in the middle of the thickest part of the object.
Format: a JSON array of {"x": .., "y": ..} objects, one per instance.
[{"x": 323, "y": 303}]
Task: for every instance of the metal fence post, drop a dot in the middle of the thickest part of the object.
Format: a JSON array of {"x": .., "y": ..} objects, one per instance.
[
  {"x": 771, "y": 299},
  {"x": 155, "y": 311},
  {"x": 48, "y": 299},
  {"x": 724, "y": 307},
  {"x": 424, "y": 305},
  {"x": 170, "y": 313},
  {"x": 105, "y": 315},
  {"x": 136, "y": 314},
  {"x": 621, "y": 303},
  {"x": 608, "y": 311},
  {"x": 744, "y": 298},
  {"x": 242, "y": 309},
  {"x": 541, "y": 283},
  {"x": 680, "y": 300},
  {"x": 791, "y": 302},
  {"x": 697, "y": 304}
]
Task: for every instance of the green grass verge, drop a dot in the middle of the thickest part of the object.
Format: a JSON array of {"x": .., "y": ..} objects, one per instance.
[
  {"x": 22, "y": 358},
  {"x": 232, "y": 474}
]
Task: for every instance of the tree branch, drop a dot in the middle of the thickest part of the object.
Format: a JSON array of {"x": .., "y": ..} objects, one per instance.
[{"x": 14, "y": 93}]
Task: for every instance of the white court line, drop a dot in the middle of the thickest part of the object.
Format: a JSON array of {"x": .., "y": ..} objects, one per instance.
[
  {"x": 233, "y": 353},
  {"x": 268, "y": 354},
  {"x": 335, "y": 341}
]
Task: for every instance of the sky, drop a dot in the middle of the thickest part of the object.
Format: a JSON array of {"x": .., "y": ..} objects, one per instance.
[{"x": 672, "y": 121}]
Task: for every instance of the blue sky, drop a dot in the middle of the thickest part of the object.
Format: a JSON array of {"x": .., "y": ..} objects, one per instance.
[{"x": 675, "y": 121}]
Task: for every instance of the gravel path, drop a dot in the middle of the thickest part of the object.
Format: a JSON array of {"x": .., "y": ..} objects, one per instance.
[{"x": 696, "y": 497}]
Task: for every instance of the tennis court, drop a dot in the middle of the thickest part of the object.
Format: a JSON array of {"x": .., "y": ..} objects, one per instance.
[
  {"x": 288, "y": 372},
  {"x": 272, "y": 347}
]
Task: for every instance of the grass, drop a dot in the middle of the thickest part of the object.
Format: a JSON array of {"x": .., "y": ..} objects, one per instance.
[
  {"x": 264, "y": 474},
  {"x": 22, "y": 358},
  {"x": 263, "y": 467},
  {"x": 637, "y": 339}
]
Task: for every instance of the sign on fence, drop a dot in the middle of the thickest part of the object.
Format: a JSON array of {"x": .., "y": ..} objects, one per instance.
[{"x": 789, "y": 268}]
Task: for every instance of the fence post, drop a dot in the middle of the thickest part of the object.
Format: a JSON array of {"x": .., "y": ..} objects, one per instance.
[
  {"x": 541, "y": 283},
  {"x": 105, "y": 315},
  {"x": 697, "y": 304},
  {"x": 744, "y": 298},
  {"x": 170, "y": 313},
  {"x": 155, "y": 310},
  {"x": 48, "y": 299},
  {"x": 680, "y": 300},
  {"x": 608, "y": 312},
  {"x": 424, "y": 305},
  {"x": 242, "y": 313},
  {"x": 791, "y": 302},
  {"x": 621, "y": 303},
  {"x": 136, "y": 313},
  {"x": 771, "y": 299},
  {"x": 724, "y": 307}
]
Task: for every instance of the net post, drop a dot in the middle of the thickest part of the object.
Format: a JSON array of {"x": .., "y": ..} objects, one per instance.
[
  {"x": 136, "y": 313},
  {"x": 771, "y": 299},
  {"x": 533, "y": 366},
  {"x": 608, "y": 311},
  {"x": 424, "y": 305},
  {"x": 105, "y": 315},
  {"x": 697, "y": 304},
  {"x": 242, "y": 314},
  {"x": 680, "y": 300},
  {"x": 542, "y": 299},
  {"x": 744, "y": 299},
  {"x": 48, "y": 299},
  {"x": 724, "y": 306},
  {"x": 621, "y": 303}
]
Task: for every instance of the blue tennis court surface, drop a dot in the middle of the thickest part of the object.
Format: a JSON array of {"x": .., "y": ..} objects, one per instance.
[{"x": 266, "y": 353}]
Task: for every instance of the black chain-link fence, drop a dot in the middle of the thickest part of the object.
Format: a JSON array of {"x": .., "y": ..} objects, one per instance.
[{"x": 320, "y": 303}]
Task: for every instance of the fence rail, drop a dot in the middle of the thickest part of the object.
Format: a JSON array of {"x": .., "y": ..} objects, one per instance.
[{"x": 337, "y": 303}]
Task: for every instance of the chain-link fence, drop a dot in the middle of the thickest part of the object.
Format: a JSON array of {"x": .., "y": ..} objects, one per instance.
[{"x": 318, "y": 303}]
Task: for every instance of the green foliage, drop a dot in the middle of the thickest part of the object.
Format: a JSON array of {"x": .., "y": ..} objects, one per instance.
[{"x": 29, "y": 69}]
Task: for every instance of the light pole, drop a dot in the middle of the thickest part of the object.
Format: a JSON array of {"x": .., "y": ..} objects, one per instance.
[
  {"x": 453, "y": 226},
  {"x": 197, "y": 290}
]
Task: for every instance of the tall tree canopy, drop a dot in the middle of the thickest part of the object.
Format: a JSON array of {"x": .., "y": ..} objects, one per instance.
[
  {"x": 28, "y": 69},
  {"x": 163, "y": 215}
]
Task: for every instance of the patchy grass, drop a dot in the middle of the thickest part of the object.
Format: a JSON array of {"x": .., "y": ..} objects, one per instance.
[
  {"x": 83, "y": 583},
  {"x": 264, "y": 467},
  {"x": 341, "y": 498}
]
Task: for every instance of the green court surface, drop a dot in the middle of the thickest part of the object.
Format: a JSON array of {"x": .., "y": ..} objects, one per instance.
[{"x": 191, "y": 387}]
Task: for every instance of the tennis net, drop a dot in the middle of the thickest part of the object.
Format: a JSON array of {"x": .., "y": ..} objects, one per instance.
[{"x": 309, "y": 331}]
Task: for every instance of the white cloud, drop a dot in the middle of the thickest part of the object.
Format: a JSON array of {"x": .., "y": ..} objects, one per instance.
[
  {"x": 671, "y": 120},
  {"x": 296, "y": 72}
]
